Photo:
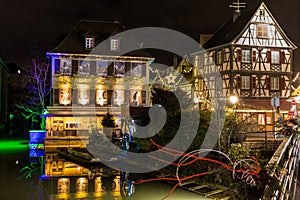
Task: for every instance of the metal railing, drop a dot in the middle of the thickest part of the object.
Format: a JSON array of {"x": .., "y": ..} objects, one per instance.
[{"x": 288, "y": 154}]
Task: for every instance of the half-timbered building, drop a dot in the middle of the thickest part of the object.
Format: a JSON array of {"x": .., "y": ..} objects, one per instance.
[{"x": 253, "y": 56}]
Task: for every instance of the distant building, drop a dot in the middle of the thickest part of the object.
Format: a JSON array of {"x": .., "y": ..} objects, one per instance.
[
  {"x": 17, "y": 86},
  {"x": 4, "y": 76},
  {"x": 254, "y": 57}
]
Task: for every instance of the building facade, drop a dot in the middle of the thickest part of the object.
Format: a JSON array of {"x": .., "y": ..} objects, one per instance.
[
  {"x": 86, "y": 83},
  {"x": 254, "y": 58}
]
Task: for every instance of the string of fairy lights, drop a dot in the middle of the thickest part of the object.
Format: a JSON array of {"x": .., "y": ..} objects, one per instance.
[{"x": 171, "y": 81}]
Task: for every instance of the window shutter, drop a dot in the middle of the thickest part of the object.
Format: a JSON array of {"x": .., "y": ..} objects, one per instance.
[
  {"x": 238, "y": 82},
  {"x": 253, "y": 82},
  {"x": 282, "y": 83},
  {"x": 282, "y": 57},
  {"x": 144, "y": 70},
  {"x": 127, "y": 68},
  {"x": 56, "y": 96},
  {"x": 268, "y": 83},
  {"x": 144, "y": 94},
  {"x": 92, "y": 97},
  {"x": 110, "y": 69},
  {"x": 93, "y": 67},
  {"x": 254, "y": 56},
  {"x": 74, "y": 96},
  {"x": 57, "y": 66},
  {"x": 268, "y": 57},
  {"x": 239, "y": 55},
  {"x": 74, "y": 66},
  {"x": 109, "y": 97}
]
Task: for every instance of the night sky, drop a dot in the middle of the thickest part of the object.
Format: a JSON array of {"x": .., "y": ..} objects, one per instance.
[{"x": 36, "y": 24}]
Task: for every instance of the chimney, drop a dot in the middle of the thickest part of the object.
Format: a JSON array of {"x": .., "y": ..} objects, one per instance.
[{"x": 236, "y": 15}]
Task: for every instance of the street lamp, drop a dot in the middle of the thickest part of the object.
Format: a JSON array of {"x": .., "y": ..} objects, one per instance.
[{"x": 233, "y": 99}]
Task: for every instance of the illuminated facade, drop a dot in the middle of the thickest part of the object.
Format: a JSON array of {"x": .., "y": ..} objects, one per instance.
[
  {"x": 255, "y": 59},
  {"x": 87, "y": 84}
]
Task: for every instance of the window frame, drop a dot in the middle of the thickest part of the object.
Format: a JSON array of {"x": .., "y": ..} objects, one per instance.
[
  {"x": 245, "y": 83},
  {"x": 114, "y": 44},
  {"x": 262, "y": 31},
  {"x": 274, "y": 83},
  {"x": 246, "y": 58},
  {"x": 89, "y": 42},
  {"x": 275, "y": 57}
]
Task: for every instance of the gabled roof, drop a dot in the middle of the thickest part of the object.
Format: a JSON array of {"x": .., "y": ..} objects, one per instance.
[
  {"x": 232, "y": 29},
  {"x": 74, "y": 42}
]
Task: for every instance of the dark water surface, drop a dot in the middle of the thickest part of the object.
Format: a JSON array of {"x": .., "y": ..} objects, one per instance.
[{"x": 14, "y": 156}]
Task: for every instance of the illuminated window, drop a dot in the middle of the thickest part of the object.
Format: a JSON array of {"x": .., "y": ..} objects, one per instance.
[
  {"x": 89, "y": 42},
  {"x": 136, "y": 69},
  {"x": 275, "y": 57},
  {"x": 84, "y": 68},
  {"x": 261, "y": 119},
  {"x": 63, "y": 186},
  {"x": 81, "y": 185},
  {"x": 83, "y": 95},
  {"x": 65, "y": 97},
  {"x": 101, "y": 69},
  {"x": 274, "y": 83},
  {"x": 262, "y": 31},
  {"x": 66, "y": 66},
  {"x": 100, "y": 98},
  {"x": 245, "y": 82},
  {"x": 246, "y": 56},
  {"x": 114, "y": 44}
]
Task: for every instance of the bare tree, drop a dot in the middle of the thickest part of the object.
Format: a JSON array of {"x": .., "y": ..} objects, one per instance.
[{"x": 33, "y": 104}]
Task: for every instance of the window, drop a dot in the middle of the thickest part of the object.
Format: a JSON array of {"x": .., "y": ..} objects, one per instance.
[
  {"x": 275, "y": 57},
  {"x": 246, "y": 55},
  {"x": 245, "y": 82},
  {"x": 84, "y": 68},
  {"x": 66, "y": 66},
  {"x": 262, "y": 30},
  {"x": 101, "y": 69},
  {"x": 65, "y": 96},
  {"x": 89, "y": 42},
  {"x": 114, "y": 44},
  {"x": 119, "y": 68},
  {"x": 136, "y": 69},
  {"x": 83, "y": 95},
  {"x": 219, "y": 57},
  {"x": 274, "y": 83}
]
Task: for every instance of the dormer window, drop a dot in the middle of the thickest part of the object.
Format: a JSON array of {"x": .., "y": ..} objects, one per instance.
[
  {"x": 114, "y": 44},
  {"x": 89, "y": 42}
]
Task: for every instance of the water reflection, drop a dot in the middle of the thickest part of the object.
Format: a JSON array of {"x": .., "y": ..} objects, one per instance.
[{"x": 65, "y": 179}]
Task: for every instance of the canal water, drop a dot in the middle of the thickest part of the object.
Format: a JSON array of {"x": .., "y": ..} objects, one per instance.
[{"x": 14, "y": 156}]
